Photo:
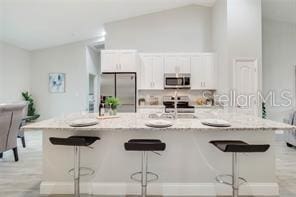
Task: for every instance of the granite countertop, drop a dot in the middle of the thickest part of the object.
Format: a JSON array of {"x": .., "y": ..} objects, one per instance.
[
  {"x": 150, "y": 106},
  {"x": 136, "y": 121}
]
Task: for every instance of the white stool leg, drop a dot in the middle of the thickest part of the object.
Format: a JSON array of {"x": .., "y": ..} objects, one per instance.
[
  {"x": 235, "y": 175},
  {"x": 144, "y": 173},
  {"x": 77, "y": 171}
]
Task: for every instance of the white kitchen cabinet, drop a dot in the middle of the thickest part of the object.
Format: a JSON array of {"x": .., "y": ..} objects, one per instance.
[
  {"x": 177, "y": 63},
  {"x": 203, "y": 71},
  {"x": 118, "y": 61},
  {"x": 152, "y": 72}
]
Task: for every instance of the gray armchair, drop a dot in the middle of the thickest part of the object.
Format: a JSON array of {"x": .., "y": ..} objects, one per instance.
[{"x": 10, "y": 120}]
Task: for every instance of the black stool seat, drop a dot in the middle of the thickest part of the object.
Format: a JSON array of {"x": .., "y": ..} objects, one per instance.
[
  {"x": 74, "y": 140},
  {"x": 144, "y": 145},
  {"x": 237, "y": 146}
]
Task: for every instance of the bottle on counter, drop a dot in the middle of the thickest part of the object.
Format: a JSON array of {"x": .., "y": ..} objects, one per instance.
[{"x": 101, "y": 109}]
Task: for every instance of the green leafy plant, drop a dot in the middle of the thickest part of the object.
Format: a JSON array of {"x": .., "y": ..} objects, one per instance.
[
  {"x": 263, "y": 110},
  {"x": 31, "y": 108},
  {"x": 112, "y": 101}
]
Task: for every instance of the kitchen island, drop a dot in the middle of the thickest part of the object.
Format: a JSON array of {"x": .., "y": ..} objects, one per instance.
[{"x": 188, "y": 166}]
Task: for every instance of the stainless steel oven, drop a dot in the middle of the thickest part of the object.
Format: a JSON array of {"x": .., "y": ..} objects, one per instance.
[{"x": 177, "y": 81}]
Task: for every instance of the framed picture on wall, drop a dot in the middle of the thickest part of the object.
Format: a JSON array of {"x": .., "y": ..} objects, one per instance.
[{"x": 56, "y": 82}]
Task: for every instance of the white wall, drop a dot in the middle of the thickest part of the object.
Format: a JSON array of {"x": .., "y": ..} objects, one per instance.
[
  {"x": 245, "y": 31},
  {"x": 186, "y": 29},
  {"x": 237, "y": 33},
  {"x": 14, "y": 72},
  {"x": 69, "y": 59},
  {"x": 93, "y": 62},
  {"x": 279, "y": 64},
  {"x": 220, "y": 44}
]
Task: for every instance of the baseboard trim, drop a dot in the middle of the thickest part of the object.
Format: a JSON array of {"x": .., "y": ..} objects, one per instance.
[{"x": 165, "y": 189}]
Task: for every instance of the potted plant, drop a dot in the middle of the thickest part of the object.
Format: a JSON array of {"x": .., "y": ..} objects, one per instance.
[
  {"x": 113, "y": 103},
  {"x": 31, "y": 108}
]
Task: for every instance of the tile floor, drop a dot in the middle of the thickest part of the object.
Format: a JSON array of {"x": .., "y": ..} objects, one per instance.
[{"x": 22, "y": 179}]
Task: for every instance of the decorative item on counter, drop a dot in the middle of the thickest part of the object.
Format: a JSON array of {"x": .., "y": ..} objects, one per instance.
[
  {"x": 113, "y": 103},
  {"x": 201, "y": 101},
  {"x": 210, "y": 101},
  {"x": 102, "y": 109},
  {"x": 153, "y": 100},
  {"x": 142, "y": 101},
  {"x": 263, "y": 110}
]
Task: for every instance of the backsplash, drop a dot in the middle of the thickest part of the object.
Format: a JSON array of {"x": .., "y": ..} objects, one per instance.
[{"x": 194, "y": 95}]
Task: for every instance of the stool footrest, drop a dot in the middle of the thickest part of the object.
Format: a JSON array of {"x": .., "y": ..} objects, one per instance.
[
  {"x": 153, "y": 178},
  {"x": 84, "y": 171},
  {"x": 220, "y": 179}
]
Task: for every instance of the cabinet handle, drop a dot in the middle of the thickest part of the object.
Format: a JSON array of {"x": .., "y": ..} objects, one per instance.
[{"x": 119, "y": 66}]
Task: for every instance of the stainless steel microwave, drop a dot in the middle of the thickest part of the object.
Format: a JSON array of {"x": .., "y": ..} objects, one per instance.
[{"x": 177, "y": 81}]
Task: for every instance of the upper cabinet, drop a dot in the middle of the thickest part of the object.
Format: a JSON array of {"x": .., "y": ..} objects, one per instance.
[
  {"x": 118, "y": 61},
  {"x": 151, "y": 67},
  {"x": 151, "y": 72},
  {"x": 176, "y": 63},
  {"x": 203, "y": 71}
]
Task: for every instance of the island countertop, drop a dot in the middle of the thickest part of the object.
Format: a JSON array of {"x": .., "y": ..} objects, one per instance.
[{"x": 137, "y": 121}]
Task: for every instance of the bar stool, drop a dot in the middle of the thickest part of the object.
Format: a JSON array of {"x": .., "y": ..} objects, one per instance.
[
  {"x": 144, "y": 145},
  {"x": 76, "y": 142},
  {"x": 235, "y": 147}
]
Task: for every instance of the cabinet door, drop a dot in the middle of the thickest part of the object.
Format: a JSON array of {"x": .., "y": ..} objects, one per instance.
[
  {"x": 109, "y": 62},
  {"x": 158, "y": 73},
  {"x": 210, "y": 72},
  {"x": 177, "y": 64},
  {"x": 198, "y": 70},
  {"x": 183, "y": 64},
  {"x": 127, "y": 61},
  {"x": 146, "y": 74},
  {"x": 170, "y": 64}
]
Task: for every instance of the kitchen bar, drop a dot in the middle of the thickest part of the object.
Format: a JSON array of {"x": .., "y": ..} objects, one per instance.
[{"x": 188, "y": 166}]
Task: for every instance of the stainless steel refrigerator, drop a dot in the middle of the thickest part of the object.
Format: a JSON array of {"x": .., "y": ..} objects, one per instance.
[{"x": 123, "y": 86}]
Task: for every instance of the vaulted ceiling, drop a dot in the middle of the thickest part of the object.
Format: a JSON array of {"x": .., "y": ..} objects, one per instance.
[
  {"x": 35, "y": 24},
  {"x": 279, "y": 10}
]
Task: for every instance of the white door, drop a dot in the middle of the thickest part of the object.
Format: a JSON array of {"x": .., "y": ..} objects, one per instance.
[
  {"x": 183, "y": 64},
  {"x": 198, "y": 69},
  {"x": 177, "y": 64},
  {"x": 245, "y": 83},
  {"x": 210, "y": 72},
  {"x": 152, "y": 72},
  {"x": 146, "y": 72},
  {"x": 110, "y": 61},
  {"x": 158, "y": 72},
  {"x": 127, "y": 61},
  {"x": 170, "y": 64}
]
